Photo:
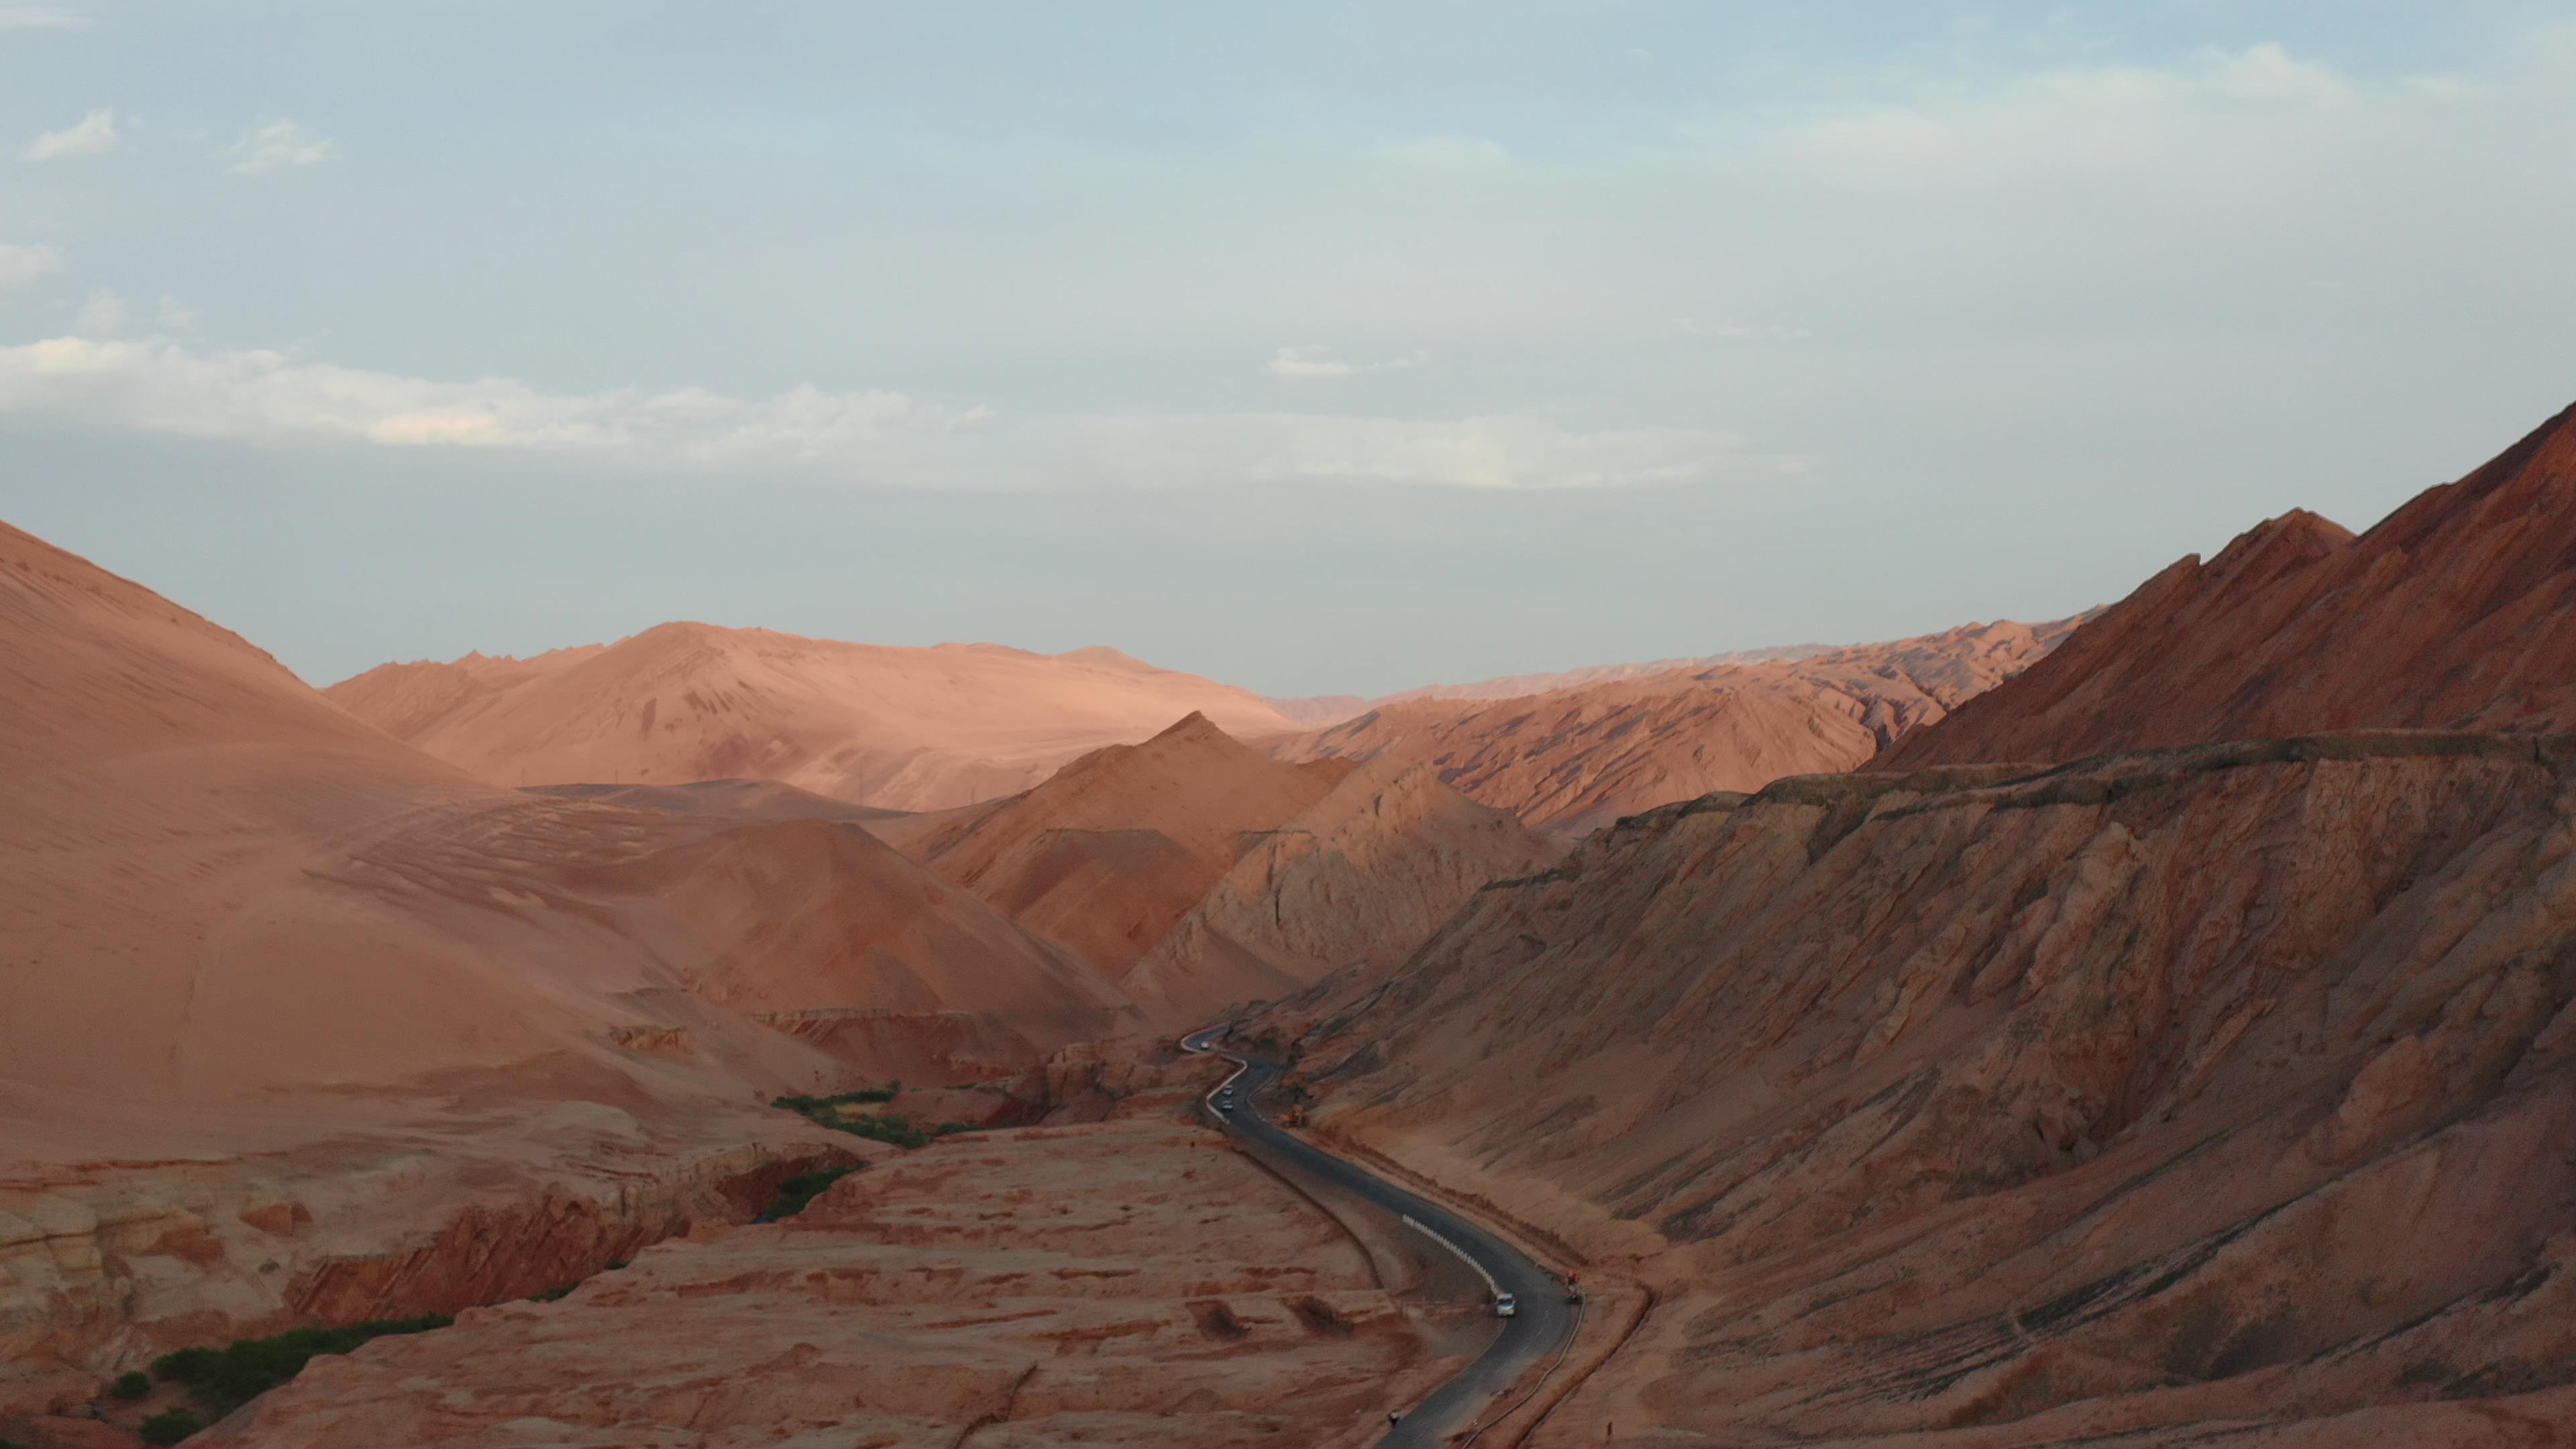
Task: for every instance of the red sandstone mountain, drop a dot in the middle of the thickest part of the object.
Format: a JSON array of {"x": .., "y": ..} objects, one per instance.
[
  {"x": 1359, "y": 879},
  {"x": 2165, "y": 1091},
  {"x": 262, "y": 965},
  {"x": 2169, "y": 1097},
  {"x": 907, "y": 729},
  {"x": 1573, "y": 759},
  {"x": 1113, "y": 849},
  {"x": 2458, "y": 611}
]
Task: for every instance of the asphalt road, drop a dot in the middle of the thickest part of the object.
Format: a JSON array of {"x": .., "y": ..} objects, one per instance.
[{"x": 1539, "y": 1331}]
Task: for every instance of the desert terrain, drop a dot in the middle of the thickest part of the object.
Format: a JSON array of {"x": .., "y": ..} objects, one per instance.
[
  {"x": 1569, "y": 753},
  {"x": 905, "y": 729},
  {"x": 2152, "y": 1027}
]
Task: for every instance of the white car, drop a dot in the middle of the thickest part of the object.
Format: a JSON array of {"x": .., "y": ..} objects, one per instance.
[{"x": 1505, "y": 1305}]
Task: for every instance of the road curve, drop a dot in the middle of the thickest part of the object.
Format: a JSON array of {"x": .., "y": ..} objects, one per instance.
[{"x": 1539, "y": 1332}]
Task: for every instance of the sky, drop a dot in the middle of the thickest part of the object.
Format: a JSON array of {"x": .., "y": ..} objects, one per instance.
[{"x": 1320, "y": 348}]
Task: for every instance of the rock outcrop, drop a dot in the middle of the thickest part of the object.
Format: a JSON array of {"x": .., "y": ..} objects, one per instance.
[
  {"x": 905, "y": 729},
  {"x": 2177, "y": 1097},
  {"x": 2458, "y": 611},
  {"x": 1131, "y": 1283},
  {"x": 1573, "y": 758}
]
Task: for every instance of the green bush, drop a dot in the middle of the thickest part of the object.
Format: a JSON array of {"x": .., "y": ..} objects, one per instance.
[
  {"x": 812, "y": 1106},
  {"x": 225, "y": 1379},
  {"x": 130, "y": 1386},
  {"x": 171, "y": 1427},
  {"x": 551, "y": 1294},
  {"x": 11, "y": 1444},
  {"x": 798, "y": 1191}
]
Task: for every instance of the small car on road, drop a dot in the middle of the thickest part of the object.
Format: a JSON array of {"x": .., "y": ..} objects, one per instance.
[{"x": 1505, "y": 1305}]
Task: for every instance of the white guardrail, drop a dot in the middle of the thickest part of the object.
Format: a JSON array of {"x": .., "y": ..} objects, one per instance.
[{"x": 1426, "y": 1230}]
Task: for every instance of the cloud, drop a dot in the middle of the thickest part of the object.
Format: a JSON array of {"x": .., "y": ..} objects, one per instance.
[
  {"x": 1315, "y": 364},
  {"x": 276, "y": 145},
  {"x": 158, "y": 385},
  {"x": 95, "y": 135},
  {"x": 103, "y": 315},
  {"x": 39, "y": 17},
  {"x": 20, "y": 265},
  {"x": 1450, "y": 154}
]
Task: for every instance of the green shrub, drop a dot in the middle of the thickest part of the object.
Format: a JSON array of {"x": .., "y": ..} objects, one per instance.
[
  {"x": 11, "y": 1444},
  {"x": 551, "y": 1294},
  {"x": 225, "y": 1379},
  {"x": 891, "y": 1127},
  {"x": 798, "y": 1191},
  {"x": 813, "y": 1106},
  {"x": 130, "y": 1386},
  {"x": 171, "y": 1427}
]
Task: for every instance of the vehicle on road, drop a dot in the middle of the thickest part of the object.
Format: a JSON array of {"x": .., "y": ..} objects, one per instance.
[{"x": 1505, "y": 1305}]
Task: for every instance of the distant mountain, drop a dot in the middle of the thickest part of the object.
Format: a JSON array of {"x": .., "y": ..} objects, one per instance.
[
  {"x": 1568, "y": 760},
  {"x": 1113, "y": 849},
  {"x": 900, "y": 728}
]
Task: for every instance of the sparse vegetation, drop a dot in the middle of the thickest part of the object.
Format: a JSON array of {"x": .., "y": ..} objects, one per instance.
[
  {"x": 131, "y": 1386},
  {"x": 798, "y": 1191},
  {"x": 888, "y": 1127},
  {"x": 224, "y": 1379},
  {"x": 171, "y": 1427},
  {"x": 550, "y": 1295},
  {"x": 815, "y": 1107}
]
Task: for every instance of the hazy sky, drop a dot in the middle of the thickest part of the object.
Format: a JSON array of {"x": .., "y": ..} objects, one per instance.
[{"x": 1315, "y": 347}]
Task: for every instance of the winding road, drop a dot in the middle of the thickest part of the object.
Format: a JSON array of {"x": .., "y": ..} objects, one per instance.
[{"x": 1539, "y": 1331}]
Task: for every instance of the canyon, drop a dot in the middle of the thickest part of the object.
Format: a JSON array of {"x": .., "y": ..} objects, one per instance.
[{"x": 2158, "y": 1025}]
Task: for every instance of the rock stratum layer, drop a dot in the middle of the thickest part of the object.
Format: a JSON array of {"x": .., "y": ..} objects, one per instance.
[
  {"x": 2458, "y": 611},
  {"x": 1572, "y": 759},
  {"x": 1130, "y": 1283},
  {"x": 2207, "y": 1096},
  {"x": 905, "y": 729}
]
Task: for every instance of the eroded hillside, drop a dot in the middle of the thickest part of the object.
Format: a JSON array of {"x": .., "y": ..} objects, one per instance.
[{"x": 2163, "y": 1095}]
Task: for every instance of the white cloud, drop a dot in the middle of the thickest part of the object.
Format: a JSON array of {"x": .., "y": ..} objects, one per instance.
[
  {"x": 39, "y": 17},
  {"x": 1315, "y": 364},
  {"x": 276, "y": 145},
  {"x": 20, "y": 265},
  {"x": 158, "y": 385},
  {"x": 1451, "y": 154},
  {"x": 94, "y": 135},
  {"x": 103, "y": 315}
]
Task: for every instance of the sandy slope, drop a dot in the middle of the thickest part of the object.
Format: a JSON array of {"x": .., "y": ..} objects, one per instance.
[
  {"x": 909, "y": 729},
  {"x": 1574, "y": 758},
  {"x": 257, "y": 955},
  {"x": 2456, "y": 611},
  {"x": 2218, "y": 1096}
]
